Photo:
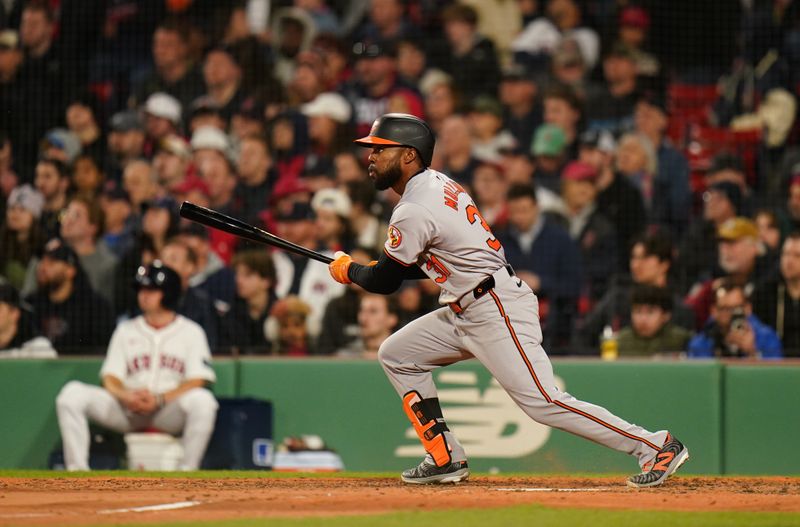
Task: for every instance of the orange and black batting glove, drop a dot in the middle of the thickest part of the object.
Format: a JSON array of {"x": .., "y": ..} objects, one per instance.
[{"x": 339, "y": 267}]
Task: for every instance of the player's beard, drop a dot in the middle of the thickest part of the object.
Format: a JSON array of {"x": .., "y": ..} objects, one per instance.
[{"x": 388, "y": 177}]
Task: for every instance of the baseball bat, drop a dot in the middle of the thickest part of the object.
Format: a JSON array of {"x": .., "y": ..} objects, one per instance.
[{"x": 223, "y": 222}]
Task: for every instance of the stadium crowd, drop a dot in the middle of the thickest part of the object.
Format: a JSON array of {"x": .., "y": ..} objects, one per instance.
[{"x": 639, "y": 162}]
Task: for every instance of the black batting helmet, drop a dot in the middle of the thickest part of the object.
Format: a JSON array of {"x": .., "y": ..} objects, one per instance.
[
  {"x": 401, "y": 129},
  {"x": 159, "y": 276}
]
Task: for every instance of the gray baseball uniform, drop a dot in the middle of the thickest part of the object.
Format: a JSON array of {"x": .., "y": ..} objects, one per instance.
[
  {"x": 158, "y": 360},
  {"x": 437, "y": 226}
]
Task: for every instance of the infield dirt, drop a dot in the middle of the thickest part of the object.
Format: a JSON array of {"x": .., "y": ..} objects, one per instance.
[{"x": 95, "y": 500}]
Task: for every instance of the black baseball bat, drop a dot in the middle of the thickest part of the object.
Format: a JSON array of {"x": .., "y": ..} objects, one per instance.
[{"x": 223, "y": 222}]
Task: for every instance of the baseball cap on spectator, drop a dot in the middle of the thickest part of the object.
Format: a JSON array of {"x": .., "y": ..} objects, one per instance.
[
  {"x": 163, "y": 105},
  {"x": 176, "y": 145},
  {"x": 286, "y": 187},
  {"x": 57, "y": 250},
  {"x": 28, "y": 198},
  {"x": 212, "y": 138},
  {"x": 621, "y": 51},
  {"x": 486, "y": 104},
  {"x": 298, "y": 211},
  {"x": 9, "y": 39},
  {"x": 517, "y": 72},
  {"x": 549, "y": 140},
  {"x": 736, "y": 229},
  {"x": 578, "y": 171},
  {"x": 164, "y": 202},
  {"x": 432, "y": 78},
  {"x": 731, "y": 191},
  {"x": 332, "y": 199},
  {"x": 8, "y": 294},
  {"x": 725, "y": 161},
  {"x": 329, "y": 104},
  {"x": 567, "y": 53},
  {"x": 374, "y": 49},
  {"x": 251, "y": 108},
  {"x": 191, "y": 184},
  {"x": 113, "y": 191},
  {"x": 126, "y": 121},
  {"x": 602, "y": 140},
  {"x": 634, "y": 16},
  {"x": 64, "y": 140}
]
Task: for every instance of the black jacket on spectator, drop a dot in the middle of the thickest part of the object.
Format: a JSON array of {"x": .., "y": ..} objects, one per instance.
[
  {"x": 196, "y": 304},
  {"x": 243, "y": 334},
  {"x": 698, "y": 254},
  {"x": 773, "y": 305},
  {"x": 81, "y": 325},
  {"x": 186, "y": 89},
  {"x": 621, "y": 202},
  {"x": 339, "y": 323},
  {"x": 477, "y": 72}
]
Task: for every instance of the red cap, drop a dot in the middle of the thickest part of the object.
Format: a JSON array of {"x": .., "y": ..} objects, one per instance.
[
  {"x": 578, "y": 171},
  {"x": 189, "y": 184},
  {"x": 634, "y": 16}
]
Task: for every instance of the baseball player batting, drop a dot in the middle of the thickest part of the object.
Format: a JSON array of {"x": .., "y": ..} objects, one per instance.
[
  {"x": 154, "y": 375},
  {"x": 437, "y": 232}
]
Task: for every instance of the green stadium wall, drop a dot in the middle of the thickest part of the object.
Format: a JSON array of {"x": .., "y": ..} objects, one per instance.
[{"x": 719, "y": 410}]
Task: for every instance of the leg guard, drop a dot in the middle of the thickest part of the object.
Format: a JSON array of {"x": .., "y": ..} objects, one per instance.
[{"x": 426, "y": 416}]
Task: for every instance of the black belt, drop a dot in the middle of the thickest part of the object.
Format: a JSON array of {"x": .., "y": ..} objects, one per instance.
[{"x": 480, "y": 290}]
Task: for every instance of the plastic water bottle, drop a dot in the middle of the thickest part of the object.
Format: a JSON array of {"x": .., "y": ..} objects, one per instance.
[{"x": 609, "y": 350}]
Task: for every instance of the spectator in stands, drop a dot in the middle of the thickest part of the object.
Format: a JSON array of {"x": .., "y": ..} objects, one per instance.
[
  {"x": 563, "y": 109},
  {"x": 612, "y": 107},
  {"x": 671, "y": 177},
  {"x": 256, "y": 176},
  {"x": 126, "y": 142},
  {"x": 741, "y": 261},
  {"x": 222, "y": 73},
  {"x": 120, "y": 223},
  {"x": 162, "y": 117},
  {"x": 12, "y": 101},
  {"x": 519, "y": 94},
  {"x": 472, "y": 62},
  {"x": 489, "y": 187},
  {"x": 634, "y": 23},
  {"x": 52, "y": 180},
  {"x": 549, "y": 149},
  {"x": 21, "y": 238},
  {"x": 174, "y": 71},
  {"x": 618, "y": 198},
  {"x": 213, "y": 158},
  {"x": 42, "y": 78},
  {"x": 545, "y": 257},
  {"x": 243, "y": 326},
  {"x": 332, "y": 210},
  {"x": 204, "y": 111},
  {"x": 212, "y": 274},
  {"x": 377, "y": 318},
  {"x": 249, "y": 119},
  {"x": 698, "y": 258},
  {"x": 154, "y": 375},
  {"x": 568, "y": 68},
  {"x": 635, "y": 159},
  {"x": 592, "y": 231},
  {"x": 172, "y": 163},
  {"x": 83, "y": 119},
  {"x": 306, "y": 83},
  {"x": 292, "y": 337},
  {"x": 160, "y": 221},
  {"x": 140, "y": 181},
  {"x": 650, "y": 261},
  {"x": 564, "y": 19},
  {"x": 386, "y": 21},
  {"x": 412, "y": 60},
  {"x": 726, "y": 166},
  {"x": 790, "y": 213},
  {"x": 651, "y": 330},
  {"x": 81, "y": 227},
  {"x": 456, "y": 149},
  {"x": 293, "y": 32},
  {"x": 328, "y": 116},
  {"x": 18, "y": 336},
  {"x": 68, "y": 312},
  {"x": 194, "y": 303},
  {"x": 769, "y": 234},
  {"x": 776, "y": 299},
  {"x": 441, "y": 100},
  {"x": 485, "y": 119},
  {"x": 733, "y": 330},
  {"x": 87, "y": 177},
  {"x": 375, "y": 83}
]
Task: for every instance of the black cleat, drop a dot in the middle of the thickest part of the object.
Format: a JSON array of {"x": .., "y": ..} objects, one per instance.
[
  {"x": 671, "y": 456},
  {"x": 427, "y": 472}
]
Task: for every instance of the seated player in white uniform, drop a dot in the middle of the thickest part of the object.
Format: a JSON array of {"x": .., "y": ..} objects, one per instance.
[{"x": 154, "y": 375}]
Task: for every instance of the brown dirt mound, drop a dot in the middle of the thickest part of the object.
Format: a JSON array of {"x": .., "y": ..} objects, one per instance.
[{"x": 88, "y": 501}]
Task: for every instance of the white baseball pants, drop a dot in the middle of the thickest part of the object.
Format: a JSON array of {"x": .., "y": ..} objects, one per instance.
[
  {"x": 192, "y": 415},
  {"x": 501, "y": 329}
]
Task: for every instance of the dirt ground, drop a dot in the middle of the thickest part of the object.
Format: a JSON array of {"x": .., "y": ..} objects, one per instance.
[{"x": 89, "y": 501}]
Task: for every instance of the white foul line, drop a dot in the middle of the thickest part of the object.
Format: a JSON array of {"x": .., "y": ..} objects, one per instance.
[
  {"x": 150, "y": 508},
  {"x": 547, "y": 489}
]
